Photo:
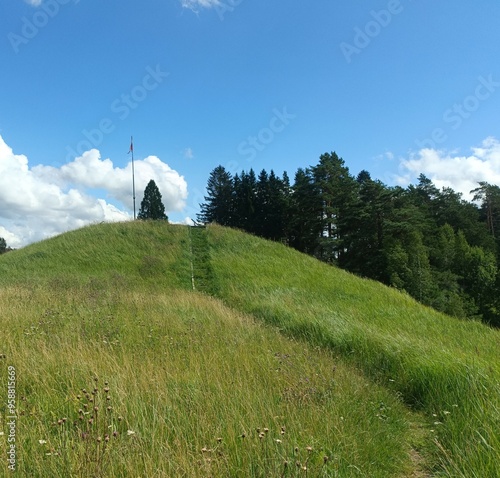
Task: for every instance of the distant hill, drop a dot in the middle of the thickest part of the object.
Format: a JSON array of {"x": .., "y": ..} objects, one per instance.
[{"x": 227, "y": 355}]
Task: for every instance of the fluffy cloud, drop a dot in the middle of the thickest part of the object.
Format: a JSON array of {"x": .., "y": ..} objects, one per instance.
[
  {"x": 35, "y": 3},
  {"x": 447, "y": 169},
  {"x": 39, "y": 202}
]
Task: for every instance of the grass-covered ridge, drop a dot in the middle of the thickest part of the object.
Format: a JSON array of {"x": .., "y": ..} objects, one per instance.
[
  {"x": 447, "y": 368},
  {"x": 196, "y": 389},
  {"x": 361, "y": 382}
]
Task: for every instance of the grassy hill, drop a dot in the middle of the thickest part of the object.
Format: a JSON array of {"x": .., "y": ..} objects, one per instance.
[{"x": 275, "y": 365}]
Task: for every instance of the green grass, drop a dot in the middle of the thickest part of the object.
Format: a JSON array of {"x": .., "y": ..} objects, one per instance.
[
  {"x": 274, "y": 366},
  {"x": 197, "y": 389},
  {"x": 135, "y": 253},
  {"x": 446, "y": 368}
]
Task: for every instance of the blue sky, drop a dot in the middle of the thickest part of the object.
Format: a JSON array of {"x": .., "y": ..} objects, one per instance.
[{"x": 396, "y": 87}]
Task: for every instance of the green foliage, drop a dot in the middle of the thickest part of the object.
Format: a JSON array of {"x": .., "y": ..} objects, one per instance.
[
  {"x": 218, "y": 206},
  {"x": 401, "y": 237},
  {"x": 151, "y": 205},
  {"x": 3, "y": 245},
  {"x": 305, "y": 213},
  {"x": 338, "y": 193}
]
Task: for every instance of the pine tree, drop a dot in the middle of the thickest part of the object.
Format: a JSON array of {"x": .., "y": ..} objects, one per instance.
[
  {"x": 263, "y": 205},
  {"x": 306, "y": 224},
  {"x": 151, "y": 205},
  {"x": 245, "y": 194},
  {"x": 489, "y": 195},
  {"x": 365, "y": 229},
  {"x": 278, "y": 206},
  {"x": 338, "y": 192},
  {"x": 219, "y": 206}
]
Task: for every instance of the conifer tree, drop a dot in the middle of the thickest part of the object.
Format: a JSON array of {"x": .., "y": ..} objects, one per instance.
[
  {"x": 219, "y": 205},
  {"x": 306, "y": 223},
  {"x": 338, "y": 192},
  {"x": 245, "y": 195},
  {"x": 151, "y": 204}
]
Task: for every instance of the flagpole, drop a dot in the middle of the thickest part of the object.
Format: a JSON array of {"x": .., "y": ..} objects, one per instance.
[{"x": 133, "y": 172}]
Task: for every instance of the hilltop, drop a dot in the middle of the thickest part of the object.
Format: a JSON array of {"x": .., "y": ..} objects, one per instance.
[{"x": 274, "y": 365}]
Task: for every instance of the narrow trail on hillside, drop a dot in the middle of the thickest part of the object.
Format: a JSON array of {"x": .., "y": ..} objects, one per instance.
[
  {"x": 204, "y": 280},
  {"x": 202, "y": 276}
]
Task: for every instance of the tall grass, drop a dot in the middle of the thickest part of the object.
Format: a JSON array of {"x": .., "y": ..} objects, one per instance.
[
  {"x": 444, "y": 367},
  {"x": 103, "y": 317}
]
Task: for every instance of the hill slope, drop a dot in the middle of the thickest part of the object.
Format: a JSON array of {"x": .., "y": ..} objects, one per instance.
[{"x": 375, "y": 384}]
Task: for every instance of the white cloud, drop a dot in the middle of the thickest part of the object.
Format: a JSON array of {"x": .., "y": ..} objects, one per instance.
[
  {"x": 188, "y": 153},
  {"x": 35, "y": 3},
  {"x": 195, "y": 5},
  {"x": 447, "y": 169},
  {"x": 39, "y": 202}
]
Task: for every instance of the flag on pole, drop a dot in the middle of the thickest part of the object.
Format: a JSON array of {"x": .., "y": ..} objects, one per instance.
[{"x": 131, "y": 150}]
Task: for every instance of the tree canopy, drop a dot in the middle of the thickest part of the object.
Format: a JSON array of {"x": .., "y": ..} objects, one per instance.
[{"x": 439, "y": 248}]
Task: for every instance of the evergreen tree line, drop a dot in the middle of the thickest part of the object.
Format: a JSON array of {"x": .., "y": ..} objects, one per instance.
[{"x": 431, "y": 243}]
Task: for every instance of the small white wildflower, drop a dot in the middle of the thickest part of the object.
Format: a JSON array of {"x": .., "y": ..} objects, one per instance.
[
  {"x": 42, "y": 442},
  {"x": 130, "y": 432}
]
